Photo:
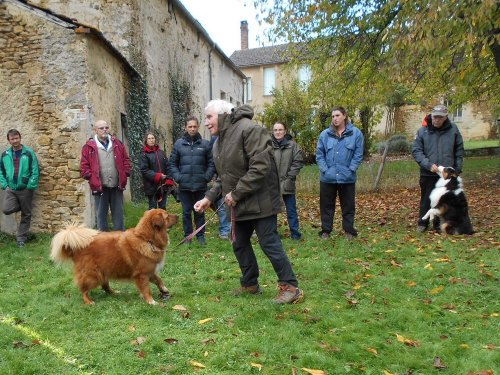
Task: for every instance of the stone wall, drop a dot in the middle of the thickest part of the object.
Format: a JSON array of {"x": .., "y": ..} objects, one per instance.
[{"x": 50, "y": 90}]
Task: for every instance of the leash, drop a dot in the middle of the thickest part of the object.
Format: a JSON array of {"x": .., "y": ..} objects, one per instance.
[{"x": 190, "y": 237}]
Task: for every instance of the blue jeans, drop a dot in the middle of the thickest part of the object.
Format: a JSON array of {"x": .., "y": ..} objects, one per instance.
[
  {"x": 292, "y": 216},
  {"x": 110, "y": 198},
  {"x": 224, "y": 225},
  {"x": 153, "y": 203},
  {"x": 270, "y": 243},
  {"x": 188, "y": 199}
]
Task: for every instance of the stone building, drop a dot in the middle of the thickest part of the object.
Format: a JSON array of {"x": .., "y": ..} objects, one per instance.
[{"x": 64, "y": 64}]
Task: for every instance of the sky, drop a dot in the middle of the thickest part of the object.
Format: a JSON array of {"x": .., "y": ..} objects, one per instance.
[{"x": 221, "y": 19}]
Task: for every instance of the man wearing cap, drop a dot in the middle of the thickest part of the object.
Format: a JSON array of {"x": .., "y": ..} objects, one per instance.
[{"x": 437, "y": 144}]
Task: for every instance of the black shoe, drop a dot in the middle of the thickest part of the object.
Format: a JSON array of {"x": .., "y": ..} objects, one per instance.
[{"x": 20, "y": 243}]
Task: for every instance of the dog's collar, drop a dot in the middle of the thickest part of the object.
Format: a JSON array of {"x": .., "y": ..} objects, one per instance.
[{"x": 155, "y": 248}]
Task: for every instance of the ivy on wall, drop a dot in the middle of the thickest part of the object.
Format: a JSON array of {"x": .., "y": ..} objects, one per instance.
[
  {"x": 138, "y": 122},
  {"x": 180, "y": 102}
]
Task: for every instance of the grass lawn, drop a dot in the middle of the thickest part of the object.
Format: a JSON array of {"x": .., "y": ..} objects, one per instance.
[
  {"x": 390, "y": 302},
  {"x": 469, "y": 145}
]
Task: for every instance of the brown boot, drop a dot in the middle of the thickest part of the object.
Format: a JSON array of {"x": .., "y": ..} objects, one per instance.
[
  {"x": 289, "y": 294},
  {"x": 253, "y": 289}
]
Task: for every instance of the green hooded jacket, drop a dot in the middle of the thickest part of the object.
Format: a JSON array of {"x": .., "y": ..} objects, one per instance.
[{"x": 28, "y": 170}]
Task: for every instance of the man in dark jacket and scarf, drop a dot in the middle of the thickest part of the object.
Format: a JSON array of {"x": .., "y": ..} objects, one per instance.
[
  {"x": 438, "y": 143},
  {"x": 192, "y": 167},
  {"x": 248, "y": 180}
]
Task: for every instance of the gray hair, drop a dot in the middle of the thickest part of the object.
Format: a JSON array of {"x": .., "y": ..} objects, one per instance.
[{"x": 219, "y": 106}]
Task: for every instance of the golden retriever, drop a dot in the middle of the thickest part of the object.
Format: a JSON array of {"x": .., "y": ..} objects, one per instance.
[{"x": 135, "y": 254}]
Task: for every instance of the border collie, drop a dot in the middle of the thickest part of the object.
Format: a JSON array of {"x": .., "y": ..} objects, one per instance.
[{"x": 448, "y": 202}]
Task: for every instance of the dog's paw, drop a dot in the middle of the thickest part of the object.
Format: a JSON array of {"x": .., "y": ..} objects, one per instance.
[{"x": 164, "y": 296}]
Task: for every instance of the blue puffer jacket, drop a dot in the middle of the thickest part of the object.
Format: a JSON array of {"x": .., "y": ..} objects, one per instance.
[
  {"x": 191, "y": 163},
  {"x": 338, "y": 158}
]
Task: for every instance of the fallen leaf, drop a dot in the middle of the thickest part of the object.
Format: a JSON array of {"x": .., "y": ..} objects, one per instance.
[
  {"x": 19, "y": 345},
  {"x": 490, "y": 346},
  {"x": 464, "y": 346},
  {"x": 428, "y": 266},
  {"x": 442, "y": 260},
  {"x": 131, "y": 328},
  {"x": 481, "y": 372},
  {"x": 179, "y": 308},
  {"x": 436, "y": 290},
  {"x": 203, "y": 321},
  {"x": 313, "y": 372},
  {"x": 36, "y": 342},
  {"x": 256, "y": 365},
  {"x": 138, "y": 341},
  {"x": 170, "y": 341},
  {"x": 388, "y": 372},
  {"x": 208, "y": 341},
  {"x": 439, "y": 364},
  {"x": 141, "y": 354},
  {"x": 396, "y": 264},
  {"x": 406, "y": 341},
  {"x": 372, "y": 350},
  {"x": 255, "y": 354},
  {"x": 197, "y": 364},
  {"x": 411, "y": 284}
]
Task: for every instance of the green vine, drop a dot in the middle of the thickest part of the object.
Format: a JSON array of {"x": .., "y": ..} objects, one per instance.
[
  {"x": 180, "y": 102},
  {"x": 138, "y": 122}
]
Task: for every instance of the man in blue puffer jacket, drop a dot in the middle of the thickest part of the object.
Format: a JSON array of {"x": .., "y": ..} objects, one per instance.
[
  {"x": 339, "y": 153},
  {"x": 192, "y": 167}
]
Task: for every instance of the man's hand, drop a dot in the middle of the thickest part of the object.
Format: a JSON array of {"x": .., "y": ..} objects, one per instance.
[
  {"x": 434, "y": 168},
  {"x": 202, "y": 205},
  {"x": 228, "y": 199}
]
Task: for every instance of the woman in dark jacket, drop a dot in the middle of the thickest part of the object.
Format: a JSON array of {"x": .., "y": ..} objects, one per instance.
[{"x": 155, "y": 171}]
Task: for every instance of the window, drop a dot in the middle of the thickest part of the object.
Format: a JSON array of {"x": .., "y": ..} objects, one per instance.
[
  {"x": 269, "y": 80},
  {"x": 305, "y": 75},
  {"x": 223, "y": 95},
  {"x": 249, "y": 89},
  {"x": 455, "y": 114}
]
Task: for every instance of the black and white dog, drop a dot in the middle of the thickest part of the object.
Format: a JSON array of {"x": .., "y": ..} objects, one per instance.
[{"x": 448, "y": 202}]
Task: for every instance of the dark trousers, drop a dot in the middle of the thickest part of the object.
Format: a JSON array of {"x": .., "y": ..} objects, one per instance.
[
  {"x": 111, "y": 198},
  {"x": 427, "y": 184},
  {"x": 327, "y": 197},
  {"x": 188, "y": 199},
  {"x": 153, "y": 202},
  {"x": 15, "y": 201},
  {"x": 269, "y": 240}
]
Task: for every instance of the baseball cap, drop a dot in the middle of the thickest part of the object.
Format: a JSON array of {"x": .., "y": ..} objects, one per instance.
[{"x": 440, "y": 110}]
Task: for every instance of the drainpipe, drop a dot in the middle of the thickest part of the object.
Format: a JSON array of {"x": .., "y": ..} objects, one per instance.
[
  {"x": 244, "y": 82},
  {"x": 210, "y": 70}
]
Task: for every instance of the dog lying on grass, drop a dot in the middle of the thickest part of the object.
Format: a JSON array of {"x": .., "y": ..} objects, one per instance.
[
  {"x": 136, "y": 254},
  {"x": 448, "y": 202}
]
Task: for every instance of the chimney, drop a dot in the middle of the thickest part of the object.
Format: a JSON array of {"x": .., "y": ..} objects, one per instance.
[{"x": 244, "y": 34}]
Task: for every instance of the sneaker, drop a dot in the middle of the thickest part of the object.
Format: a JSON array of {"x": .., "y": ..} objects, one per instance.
[
  {"x": 20, "y": 243},
  {"x": 297, "y": 237},
  {"x": 224, "y": 236},
  {"x": 289, "y": 294},
  {"x": 325, "y": 235},
  {"x": 253, "y": 289},
  {"x": 421, "y": 228},
  {"x": 202, "y": 241}
]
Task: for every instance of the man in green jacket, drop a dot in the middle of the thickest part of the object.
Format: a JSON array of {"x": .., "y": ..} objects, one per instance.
[
  {"x": 249, "y": 183},
  {"x": 19, "y": 175}
]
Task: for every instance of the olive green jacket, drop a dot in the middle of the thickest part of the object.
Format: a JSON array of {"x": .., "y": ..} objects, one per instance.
[{"x": 243, "y": 156}]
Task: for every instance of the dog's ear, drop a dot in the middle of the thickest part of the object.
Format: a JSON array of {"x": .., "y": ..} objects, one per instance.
[{"x": 157, "y": 220}]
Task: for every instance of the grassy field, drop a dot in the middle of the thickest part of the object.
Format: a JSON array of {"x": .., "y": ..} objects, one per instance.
[
  {"x": 390, "y": 302},
  {"x": 469, "y": 145}
]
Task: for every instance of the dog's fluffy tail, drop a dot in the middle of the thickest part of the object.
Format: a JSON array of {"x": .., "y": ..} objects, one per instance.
[{"x": 73, "y": 238}]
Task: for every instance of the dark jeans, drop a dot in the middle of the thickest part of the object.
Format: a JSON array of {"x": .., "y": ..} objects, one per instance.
[
  {"x": 188, "y": 199},
  {"x": 15, "y": 201},
  {"x": 291, "y": 215},
  {"x": 269, "y": 240},
  {"x": 153, "y": 203},
  {"x": 111, "y": 198},
  {"x": 427, "y": 184},
  {"x": 327, "y": 197}
]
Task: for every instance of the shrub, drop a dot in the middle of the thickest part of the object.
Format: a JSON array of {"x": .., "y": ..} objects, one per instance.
[{"x": 398, "y": 145}]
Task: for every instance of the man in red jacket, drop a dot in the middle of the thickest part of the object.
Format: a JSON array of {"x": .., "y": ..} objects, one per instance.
[{"x": 106, "y": 166}]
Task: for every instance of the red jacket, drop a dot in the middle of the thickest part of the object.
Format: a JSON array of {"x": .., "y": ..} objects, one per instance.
[{"x": 89, "y": 164}]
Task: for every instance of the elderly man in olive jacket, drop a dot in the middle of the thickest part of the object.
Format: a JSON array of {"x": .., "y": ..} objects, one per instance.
[{"x": 248, "y": 180}]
